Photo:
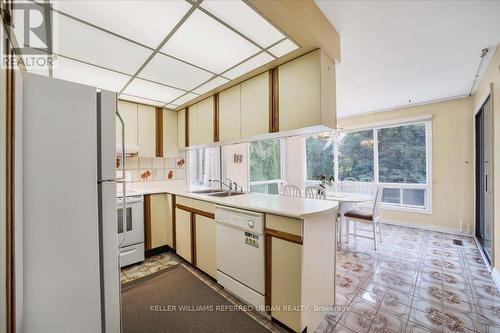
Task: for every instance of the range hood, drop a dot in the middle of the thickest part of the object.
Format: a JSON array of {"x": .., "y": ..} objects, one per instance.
[{"x": 130, "y": 150}]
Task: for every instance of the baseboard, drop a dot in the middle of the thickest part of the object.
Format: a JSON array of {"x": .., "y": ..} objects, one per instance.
[
  {"x": 424, "y": 226},
  {"x": 157, "y": 250},
  {"x": 495, "y": 275}
]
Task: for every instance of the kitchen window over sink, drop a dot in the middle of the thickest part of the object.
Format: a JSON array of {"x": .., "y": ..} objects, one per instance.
[
  {"x": 203, "y": 165},
  {"x": 266, "y": 172}
]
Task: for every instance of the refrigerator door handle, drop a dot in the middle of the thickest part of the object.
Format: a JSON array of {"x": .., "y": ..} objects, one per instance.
[{"x": 122, "y": 180}]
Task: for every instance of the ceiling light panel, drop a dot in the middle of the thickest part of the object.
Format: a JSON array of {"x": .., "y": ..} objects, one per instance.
[
  {"x": 184, "y": 99},
  {"x": 141, "y": 100},
  {"x": 80, "y": 41},
  {"x": 171, "y": 106},
  {"x": 244, "y": 19},
  {"x": 252, "y": 63},
  {"x": 283, "y": 48},
  {"x": 207, "y": 43},
  {"x": 152, "y": 90},
  {"x": 75, "y": 71},
  {"x": 212, "y": 84},
  {"x": 172, "y": 72},
  {"x": 146, "y": 22}
]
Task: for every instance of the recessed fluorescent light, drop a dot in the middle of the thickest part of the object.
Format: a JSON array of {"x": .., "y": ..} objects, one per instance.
[
  {"x": 283, "y": 48},
  {"x": 171, "y": 106},
  {"x": 212, "y": 84},
  {"x": 252, "y": 63},
  {"x": 146, "y": 22},
  {"x": 207, "y": 43},
  {"x": 80, "y": 41},
  {"x": 75, "y": 71},
  {"x": 184, "y": 99},
  {"x": 150, "y": 90},
  {"x": 175, "y": 73},
  {"x": 141, "y": 100},
  {"x": 245, "y": 19}
]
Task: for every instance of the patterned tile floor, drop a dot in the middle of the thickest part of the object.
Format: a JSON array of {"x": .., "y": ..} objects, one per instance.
[
  {"x": 417, "y": 281},
  {"x": 157, "y": 263}
]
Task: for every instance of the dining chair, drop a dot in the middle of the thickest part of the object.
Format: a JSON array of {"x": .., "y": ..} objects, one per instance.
[
  {"x": 291, "y": 190},
  {"x": 315, "y": 192},
  {"x": 369, "y": 217}
]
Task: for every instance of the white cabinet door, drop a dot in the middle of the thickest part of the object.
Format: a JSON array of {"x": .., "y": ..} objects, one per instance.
[
  {"x": 181, "y": 128},
  {"x": 229, "y": 113},
  {"x": 169, "y": 133},
  {"x": 192, "y": 125},
  {"x": 255, "y": 106},
  {"x": 206, "y": 121},
  {"x": 146, "y": 131},
  {"x": 299, "y": 92},
  {"x": 128, "y": 112}
]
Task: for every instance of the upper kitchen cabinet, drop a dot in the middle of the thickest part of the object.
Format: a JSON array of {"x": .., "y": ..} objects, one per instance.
[
  {"x": 307, "y": 92},
  {"x": 128, "y": 112},
  {"x": 146, "y": 129},
  {"x": 181, "y": 129},
  {"x": 230, "y": 113},
  {"x": 206, "y": 121},
  {"x": 255, "y": 105},
  {"x": 170, "y": 136},
  {"x": 201, "y": 122}
]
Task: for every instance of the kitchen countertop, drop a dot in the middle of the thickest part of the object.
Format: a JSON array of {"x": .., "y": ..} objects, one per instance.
[{"x": 294, "y": 207}]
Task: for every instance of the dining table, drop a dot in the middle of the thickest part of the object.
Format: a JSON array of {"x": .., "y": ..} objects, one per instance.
[{"x": 346, "y": 201}]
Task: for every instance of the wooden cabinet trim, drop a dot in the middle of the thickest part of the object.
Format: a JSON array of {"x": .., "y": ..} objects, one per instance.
[
  {"x": 274, "y": 121},
  {"x": 193, "y": 238},
  {"x": 186, "y": 124},
  {"x": 284, "y": 236},
  {"x": 196, "y": 211},
  {"x": 159, "y": 131},
  {"x": 269, "y": 268},
  {"x": 147, "y": 221},
  {"x": 216, "y": 117},
  {"x": 173, "y": 223}
]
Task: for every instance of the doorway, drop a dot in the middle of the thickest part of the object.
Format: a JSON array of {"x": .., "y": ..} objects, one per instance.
[{"x": 484, "y": 180}]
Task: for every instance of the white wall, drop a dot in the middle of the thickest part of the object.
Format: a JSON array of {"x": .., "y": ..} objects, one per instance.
[
  {"x": 237, "y": 172},
  {"x": 295, "y": 157}
]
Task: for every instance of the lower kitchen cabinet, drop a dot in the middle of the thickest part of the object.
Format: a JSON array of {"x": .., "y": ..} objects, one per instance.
[
  {"x": 205, "y": 245},
  {"x": 158, "y": 220},
  {"x": 183, "y": 234}
]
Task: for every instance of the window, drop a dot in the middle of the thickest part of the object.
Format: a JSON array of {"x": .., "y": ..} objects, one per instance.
[
  {"x": 356, "y": 156},
  {"x": 204, "y": 165},
  {"x": 394, "y": 157},
  {"x": 319, "y": 157},
  {"x": 265, "y": 166}
]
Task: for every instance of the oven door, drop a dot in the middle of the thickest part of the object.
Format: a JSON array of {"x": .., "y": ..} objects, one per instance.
[{"x": 135, "y": 221}]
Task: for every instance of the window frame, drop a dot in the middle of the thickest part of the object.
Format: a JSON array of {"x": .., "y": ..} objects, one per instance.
[
  {"x": 375, "y": 127},
  {"x": 282, "y": 167}
]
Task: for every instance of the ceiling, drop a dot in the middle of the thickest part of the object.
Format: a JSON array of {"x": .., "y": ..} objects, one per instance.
[
  {"x": 162, "y": 53},
  {"x": 394, "y": 52}
]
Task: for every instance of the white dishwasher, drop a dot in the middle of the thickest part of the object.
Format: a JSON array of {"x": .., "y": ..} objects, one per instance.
[{"x": 240, "y": 253}]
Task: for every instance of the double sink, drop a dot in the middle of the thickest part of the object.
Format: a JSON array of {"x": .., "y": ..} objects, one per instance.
[{"x": 217, "y": 193}]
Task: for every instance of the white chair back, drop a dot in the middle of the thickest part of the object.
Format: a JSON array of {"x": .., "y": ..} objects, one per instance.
[
  {"x": 291, "y": 190},
  {"x": 315, "y": 192},
  {"x": 376, "y": 203}
]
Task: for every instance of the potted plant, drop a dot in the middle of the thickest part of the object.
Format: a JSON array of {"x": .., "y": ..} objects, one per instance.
[{"x": 326, "y": 181}]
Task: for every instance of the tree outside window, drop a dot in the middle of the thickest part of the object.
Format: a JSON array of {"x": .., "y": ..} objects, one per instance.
[
  {"x": 319, "y": 154},
  {"x": 356, "y": 156}
]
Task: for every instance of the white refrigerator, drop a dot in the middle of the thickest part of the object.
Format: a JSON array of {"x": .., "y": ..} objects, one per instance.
[{"x": 70, "y": 269}]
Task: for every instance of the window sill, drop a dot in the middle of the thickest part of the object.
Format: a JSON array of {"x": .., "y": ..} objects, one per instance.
[{"x": 406, "y": 209}]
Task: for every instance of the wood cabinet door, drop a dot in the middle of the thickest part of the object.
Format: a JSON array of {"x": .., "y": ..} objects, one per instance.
[
  {"x": 205, "y": 245},
  {"x": 230, "y": 113},
  {"x": 146, "y": 131},
  {"x": 170, "y": 133},
  {"x": 205, "y": 121},
  {"x": 255, "y": 106},
  {"x": 161, "y": 220},
  {"x": 183, "y": 234},
  {"x": 128, "y": 112},
  {"x": 181, "y": 128}
]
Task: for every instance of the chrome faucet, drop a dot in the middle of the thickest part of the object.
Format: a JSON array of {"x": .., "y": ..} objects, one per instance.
[{"x": 230, "y": 186}]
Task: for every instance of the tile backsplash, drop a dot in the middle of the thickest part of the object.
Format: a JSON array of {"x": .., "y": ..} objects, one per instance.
[{"x": 146, "y": 169}]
